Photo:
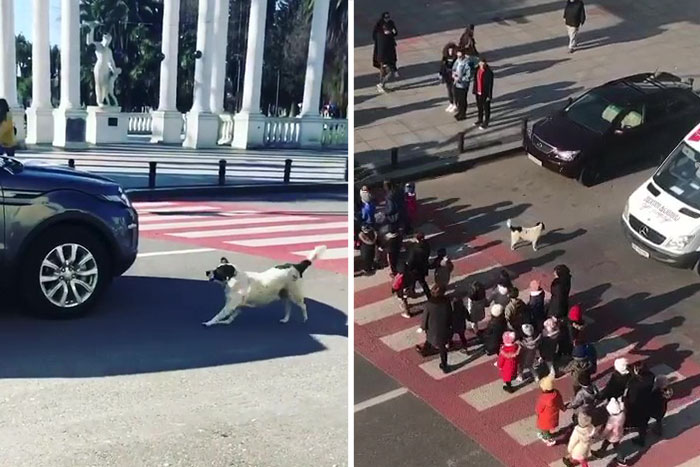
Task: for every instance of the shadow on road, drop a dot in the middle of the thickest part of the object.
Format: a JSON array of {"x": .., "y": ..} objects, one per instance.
[{"x": 148, "y": 324}]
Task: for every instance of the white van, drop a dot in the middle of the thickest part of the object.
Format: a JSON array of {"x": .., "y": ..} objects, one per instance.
[{"x": 662, "y": 217}]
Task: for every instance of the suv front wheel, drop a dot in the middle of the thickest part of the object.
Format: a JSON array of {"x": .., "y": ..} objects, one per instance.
[{"x": 64, "y": 273}]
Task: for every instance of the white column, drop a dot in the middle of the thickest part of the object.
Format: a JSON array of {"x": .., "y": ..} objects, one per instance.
[
  {"x": 249, "y": 123},
  {"x": 167, "y": 121},
  {"x": 202, "y": 125},
  {"x": 218, "y": 72},
  {"x": 8, "y": 65},
  {"x": 311, "y": 127},
  {"x": 314, "y": 62},
  {"x": 69, "y": 118},
  {"x": 40, "y": 114}
]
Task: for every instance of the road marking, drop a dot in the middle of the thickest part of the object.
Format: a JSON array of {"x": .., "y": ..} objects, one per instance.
[
  {"x": 174, "y": 252},
  {"x": 145, "y": 204},
  {"x": 331, "y": 253},
  {"x": 380, "y": 399},
  {"x": 222, "y": 222},
  {"x": 195, "y": 217},
  {"x": 259, "y": 230},
  {"x": 195, "y": 208},
  {"x": 275, "y": 241}
]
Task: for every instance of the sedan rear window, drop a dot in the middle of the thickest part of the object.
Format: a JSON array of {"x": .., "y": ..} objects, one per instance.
[{"x": 680, "y": 175}]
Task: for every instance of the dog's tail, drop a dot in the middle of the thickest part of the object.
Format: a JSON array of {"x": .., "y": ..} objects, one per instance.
[{"x": 316, "y": 253}]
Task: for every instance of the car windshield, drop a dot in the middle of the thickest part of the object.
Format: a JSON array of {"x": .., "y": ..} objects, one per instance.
[
  {"x": 680, "y": 175},
  {"x": 594, "y": 111}
]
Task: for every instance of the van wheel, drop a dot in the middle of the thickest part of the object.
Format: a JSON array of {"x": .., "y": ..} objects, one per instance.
[
  {"x": 589, "y": 176},
  {"x": 65, "y": 272}
]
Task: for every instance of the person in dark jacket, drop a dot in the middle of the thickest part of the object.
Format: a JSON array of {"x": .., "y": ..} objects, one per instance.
[
  {"x": 660, "y": 396},
  {"x": 483, "y": 92},
  {"x": 535, "y": 305},
  {"x": 394, "y": 208},
  {"x": 462, "y": 75},
  {"x": 392, "y": 244},
  {"x": 368, "y": 248},
  {"x": 639, "y": 400},
  {"x": 616, "y": 385},
  {"x": 560, "y": 290},
  {"x": 418, "y": 263},
  {"x": 437, "y": 325},
  {"x": 493, "y": 334},
  {"x": 384, "y": 20},
  {"x": 368, "y": 207},
  {"x": 386, "y": 56},
  {"x": 449, "y": 55},
  {"x": 460, "y": 315},
  {"x": 574, "y": 17},
  {"x": 467, "y": 41}
]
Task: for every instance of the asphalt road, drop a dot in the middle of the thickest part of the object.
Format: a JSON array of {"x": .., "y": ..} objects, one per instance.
[
  {"x": 140, "y": 382},
  {"x": 583, "y": 231}
]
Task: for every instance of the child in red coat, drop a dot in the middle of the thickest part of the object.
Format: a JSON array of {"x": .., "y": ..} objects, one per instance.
[
  {"x": 549, "y": 404},
  {"x": 508, "y": 360}
]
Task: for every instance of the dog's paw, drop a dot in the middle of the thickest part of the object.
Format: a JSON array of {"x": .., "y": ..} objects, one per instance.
[
  {"x": 206, "y": 323},
  {"x": 284, "y": 320},
  {"x": 305, "y": 319}
]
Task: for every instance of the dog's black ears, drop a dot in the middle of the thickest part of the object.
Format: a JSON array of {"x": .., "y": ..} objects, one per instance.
[{"x": 224, "y": 260}]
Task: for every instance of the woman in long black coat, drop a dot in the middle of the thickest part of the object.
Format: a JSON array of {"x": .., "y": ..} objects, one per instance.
[
  {"x": 638, "y": 402},
  {"x": 384, "y": 20},
  {"x": 559, "y": 307},
  {"x": 437, "y": 324}
]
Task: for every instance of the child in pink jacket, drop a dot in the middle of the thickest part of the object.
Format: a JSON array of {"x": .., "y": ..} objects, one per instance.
[{"x": 614, "y": 430}]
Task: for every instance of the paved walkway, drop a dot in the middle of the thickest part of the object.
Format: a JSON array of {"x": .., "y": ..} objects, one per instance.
[
  {"x": 176, "y": 166},
  {"x": 525, "y": 42}
]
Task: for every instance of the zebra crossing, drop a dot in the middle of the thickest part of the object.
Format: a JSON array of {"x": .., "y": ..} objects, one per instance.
[
  {"x": 471, "y": 395},
  {"x": 287, "y": 236},
  {"x": 251, "y": 166}
]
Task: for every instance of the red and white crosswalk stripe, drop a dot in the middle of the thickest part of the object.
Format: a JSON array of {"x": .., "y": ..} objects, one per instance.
[
  {"x": 471, "y": 396},
  {"x": 287, "y": 236}
]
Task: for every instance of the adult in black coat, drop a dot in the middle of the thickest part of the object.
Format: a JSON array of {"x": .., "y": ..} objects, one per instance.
[
  {"x": 394, "y": 208},
  {"x": 483, "y": 92},
  {"x": 617, "y": 383},
  {"x": 418, "y": 263},
  {"x": 392, "y": 243},
  {"x": 384, "y": 21},
  {"x": 467, "y": 41},
  {"x": 493, "y": 334},
  {"x": 638, "y": 402},
  {"x": 560, "y": 290},
  {"x": 437, "y": 325},
  {"x": 460, "y": 315},
  {"x": 449, "y": 55}
]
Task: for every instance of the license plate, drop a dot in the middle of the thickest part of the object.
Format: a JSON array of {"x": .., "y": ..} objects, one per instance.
[
  {"x": 643, "y": 253},
  {"x": 534, "y": 159}
]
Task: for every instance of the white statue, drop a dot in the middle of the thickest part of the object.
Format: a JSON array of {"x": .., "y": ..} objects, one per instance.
[{"x": 106, "y": 71}]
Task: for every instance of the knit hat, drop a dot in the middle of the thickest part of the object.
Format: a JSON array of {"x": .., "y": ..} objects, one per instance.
[
  {"x": 551, "y": 324},
  {"x": 621, "y": 366},
  {"x": 547, "y": 383},
  {"x": 575, "y": 313},
  {"x": 614, "y": 407},
  {"x": 496, "y": 310},
  {"x": 579, "y": 352},
  {"x": 513, "y": 292},
  {"x": 584, "y": 379},
  {"x": 528, "y": 329},
  {"x": 508, "y": 338}
]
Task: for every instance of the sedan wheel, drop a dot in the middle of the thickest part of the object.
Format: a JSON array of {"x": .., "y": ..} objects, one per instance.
[{"x": 68, "y": 275}]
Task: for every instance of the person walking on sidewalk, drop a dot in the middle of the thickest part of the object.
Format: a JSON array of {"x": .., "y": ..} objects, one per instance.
[
  {"x": 462, "y": 72},
  {"x": 613, "y": 432},
  {"x": 386, "y": 57},
  {"x": 449, "y": 56},
  {"x": 574, "y": 17},
  {"x": 418, "y": 263},
  {"x": 483, "y": 92},
  {"x": 392, "y": 244},
  {"x": 549, "y": 404},
  {"x": 383, "y": 22},
  {"x": 508, "y": 360},
  {"x": 394, "y": 209},
  {"x": 638, "y": 401},
  {"x": 437, "y": 325},
  {"x": 443, "y": 267},
  {"x": 467, "y": 41},
  {"x": 368, "y": 207}
]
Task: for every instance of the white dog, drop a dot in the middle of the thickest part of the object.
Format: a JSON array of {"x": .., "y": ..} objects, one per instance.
[
  {"x": 526, "y": 234},
  {"x": 251, "y": 289}
]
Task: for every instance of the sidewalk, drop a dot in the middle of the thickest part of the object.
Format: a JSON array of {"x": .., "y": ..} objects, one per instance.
[{"x": 525, "y": 42}]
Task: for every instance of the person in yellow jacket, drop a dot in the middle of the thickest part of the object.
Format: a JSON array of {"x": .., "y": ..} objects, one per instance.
[{"x": 7, "y": 130}]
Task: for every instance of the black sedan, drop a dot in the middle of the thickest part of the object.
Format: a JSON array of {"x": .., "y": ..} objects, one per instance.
[
  {"x": 616, "y": 125},
  {"x": 64, "y": 234}
]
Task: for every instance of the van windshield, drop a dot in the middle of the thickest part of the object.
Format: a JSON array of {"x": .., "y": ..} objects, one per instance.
[{"x": 679, "y": 175}]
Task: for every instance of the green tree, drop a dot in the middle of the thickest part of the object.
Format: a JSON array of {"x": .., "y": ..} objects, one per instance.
[{"x": 23, "y": 51}]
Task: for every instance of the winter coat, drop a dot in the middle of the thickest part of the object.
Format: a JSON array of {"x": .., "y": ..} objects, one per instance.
[
  {"x": 467, "y": 41},
  {"x": 579, "y": 446},
  {"x": 535, "y": 308},
  {"x": 486, "y": 82},
  {"x": 443, "y": 273},
  {"x": 368, "y": 248},
  {"x": 528, "y": 351},
  {"x": 574, "y": 13},
  {"x": 577, "y": 367},
  {"x": 615, "y": 386},
  {"x": 460, "y": 315},
  {"x": 548, "y": 346},
  {"x": 411, "y": 205},
  {"x": 566, "y": 345},
  {"x": 659, "y": 404},
  {"x": 493, "y": 334},
  {"x": 437, "y": 321},
  {"x": 394, "y": 207},
  {"x": 638, "y": 400},
  {"x": 367, "y": 213},
  {"x": 386, "y": 49},
  {"x": 418, "y": 259},
  {"x": 392, "y": 243},
  {"x": 585, "y": 398},
  {"x": 499, "y": 298},
  {"x": 508, "y": 362},
  {"x": 549, "y": 404},
  {"x": 514, "y": 312},
  {"x": 477, "y": 309},
  {"x": 463, "y": 71},
  {"x": 446, "y": 65},
  {"x": 614, "y": 429},
  {"x": 559, "y": 301}
]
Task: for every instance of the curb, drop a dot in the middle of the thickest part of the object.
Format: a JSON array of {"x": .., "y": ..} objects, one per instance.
[
  {"x": 438, "y": 169},
  {"x": 148, "y": 194}
]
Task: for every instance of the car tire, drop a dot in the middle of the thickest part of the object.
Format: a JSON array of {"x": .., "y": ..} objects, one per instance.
[
  {"x": 589, "y": 176},
  {"x": 36, "y": 292}
]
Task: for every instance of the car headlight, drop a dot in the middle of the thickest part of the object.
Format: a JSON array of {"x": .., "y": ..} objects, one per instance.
[
  {"x": 120, "y": 198},
  {"x": 566, "y": 155},
  {"x": 678, "y": 243}
]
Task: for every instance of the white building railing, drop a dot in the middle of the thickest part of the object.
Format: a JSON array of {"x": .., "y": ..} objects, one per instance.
[
  {"x": 335, "y": 133},
  {"x": 140, "y": 123},
  {"x": 281, "y": 132},
  {"x": 225, "y": 129}
]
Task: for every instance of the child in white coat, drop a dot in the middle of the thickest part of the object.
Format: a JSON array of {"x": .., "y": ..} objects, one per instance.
[{"x": 579, "y": 447}]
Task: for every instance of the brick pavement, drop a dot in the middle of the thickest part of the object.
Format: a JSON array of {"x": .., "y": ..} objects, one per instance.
[
  {"x": 471, "y": 396},
  {"x": 525, "y": 43}
]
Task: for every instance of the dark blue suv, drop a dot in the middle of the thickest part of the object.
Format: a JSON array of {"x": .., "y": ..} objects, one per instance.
[{"x": 64, "y": 234}]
